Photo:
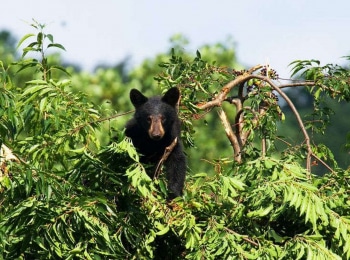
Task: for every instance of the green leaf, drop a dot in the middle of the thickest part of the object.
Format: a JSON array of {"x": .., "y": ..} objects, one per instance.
[
  {"x": 260, "y": 212},
  {"x": 31, "y": 64},
  {"x": 239, "y": 185},
  {"x": 269, "y": 163},
  {"x": 190, "y": 241},
  {"x": 57, "y": 67},
  {"x": 34, "y": 89},
  {"x": 162, "y": 230},
  {"x": 56, "y": 45},
  {"x": 198, "y": 54},
  {"x": 39, "y": 38},
  {"x": 50, "y": 37},
  {"x": 36, "y": 82},
  {"x": 25, "y": 37}
]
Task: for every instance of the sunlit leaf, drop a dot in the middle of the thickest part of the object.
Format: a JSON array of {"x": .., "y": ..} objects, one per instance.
[{"x": 25, "y": 37}]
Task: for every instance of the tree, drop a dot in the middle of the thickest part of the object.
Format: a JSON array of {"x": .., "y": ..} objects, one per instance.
[{"x": 71, "y": 196}]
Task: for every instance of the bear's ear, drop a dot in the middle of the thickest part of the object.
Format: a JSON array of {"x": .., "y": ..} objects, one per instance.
[
  {"x": 137, "y": 98},
  {"x": 172, "y": 96}
]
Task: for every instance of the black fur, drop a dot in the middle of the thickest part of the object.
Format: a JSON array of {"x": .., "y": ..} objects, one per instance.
[{"x": 154, "y": 127}]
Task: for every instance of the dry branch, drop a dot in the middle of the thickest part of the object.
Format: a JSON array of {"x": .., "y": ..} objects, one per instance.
[
  {"x": 165, "y": 156},
  {"x": 237, "y": 138},
  {"x": 6, "y": 155},
  {"x": 231, "y": 136},
  {"x": 221, "y": 97}
]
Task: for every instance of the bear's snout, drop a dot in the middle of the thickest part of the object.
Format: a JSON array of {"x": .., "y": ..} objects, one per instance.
[{"x": 156, "y": 130}]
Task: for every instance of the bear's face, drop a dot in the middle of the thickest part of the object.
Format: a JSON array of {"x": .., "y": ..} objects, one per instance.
[
  {"x": 155, "y": 115},
  {"x": 155, "y": 126}
]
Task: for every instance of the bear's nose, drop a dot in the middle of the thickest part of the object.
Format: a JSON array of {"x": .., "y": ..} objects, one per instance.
[{"x": 157, "y": 136}]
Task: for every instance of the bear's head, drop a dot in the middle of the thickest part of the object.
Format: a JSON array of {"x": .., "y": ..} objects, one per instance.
[{"x": 156, "y": 114}]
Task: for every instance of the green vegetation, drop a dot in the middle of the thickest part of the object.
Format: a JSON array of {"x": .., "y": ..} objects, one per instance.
[{"x": 71, "y": 185}]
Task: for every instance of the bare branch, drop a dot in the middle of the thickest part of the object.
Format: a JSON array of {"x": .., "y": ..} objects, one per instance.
[
  {"x": 76, "y": 129},
  {"x": 323, "y": 162},
  {"x": 297, "y": 84},
  {"x": 255, "y": 68},
  {"x": 217, "y": 101},
  {"x": 297, "y": 115},
  {"x": 309, "y": 84},
  {"x": 231, "y": 136},
  {"x": 165, "y": 156},
  {"x": 246, "y": 238}
]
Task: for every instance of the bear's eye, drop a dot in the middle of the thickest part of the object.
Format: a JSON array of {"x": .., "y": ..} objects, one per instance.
[{"x": 149, "y": 119}]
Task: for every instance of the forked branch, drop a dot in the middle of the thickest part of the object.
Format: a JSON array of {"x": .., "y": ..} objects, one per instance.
[
  {"x": 221, "y": 97},
  {"x": 235, "y": 138}
]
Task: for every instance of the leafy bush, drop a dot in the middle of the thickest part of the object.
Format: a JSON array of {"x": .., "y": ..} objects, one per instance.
[{"x": 67, "y": 195}]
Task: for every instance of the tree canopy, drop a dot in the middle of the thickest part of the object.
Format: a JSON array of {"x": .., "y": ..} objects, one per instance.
[{"x": 72, "y": 186}]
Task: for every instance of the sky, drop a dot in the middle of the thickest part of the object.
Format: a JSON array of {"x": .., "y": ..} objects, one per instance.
[{"x": 107, "y": 31}]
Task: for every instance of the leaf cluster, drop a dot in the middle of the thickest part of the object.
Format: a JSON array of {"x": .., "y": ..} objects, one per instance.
[{"x": 329, "y": 81}]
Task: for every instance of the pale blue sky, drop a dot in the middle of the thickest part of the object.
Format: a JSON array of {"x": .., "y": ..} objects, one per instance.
[{"x": 276, "y": 31}]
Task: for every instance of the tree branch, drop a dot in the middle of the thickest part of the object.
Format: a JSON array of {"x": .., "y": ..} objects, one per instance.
[
  {"x": 237, "y": 139},
  {"x": 245, "y": 238},
  {"x": 231, "y": 136},
  {"x": 297, "y": 84},
  {"x": 297, "y": 115},
  {"x": 165, "y": 156},
  {"x": 217, "y": 101},
  {"x": 76, "y": 129},
  {"x": 309, "y": 84}
]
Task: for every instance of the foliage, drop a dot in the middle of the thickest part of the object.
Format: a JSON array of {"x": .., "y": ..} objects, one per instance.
[{"x": 72, "y": 195}]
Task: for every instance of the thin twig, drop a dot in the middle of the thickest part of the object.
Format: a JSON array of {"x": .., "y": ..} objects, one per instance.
[
  {"x": 262, "y": 111},
  {"x": 309, "y": 84},
  {"x": 297, "y": 84},
  {"x": 165, "y": 156},
  {"x": 99, "y": 121},
  {"x": 245, "y": 238},
  {"x": 323, "y": 162}
]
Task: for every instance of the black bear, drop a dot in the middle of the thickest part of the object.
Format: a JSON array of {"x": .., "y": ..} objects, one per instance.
[{"x": 153, "y": 128}]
